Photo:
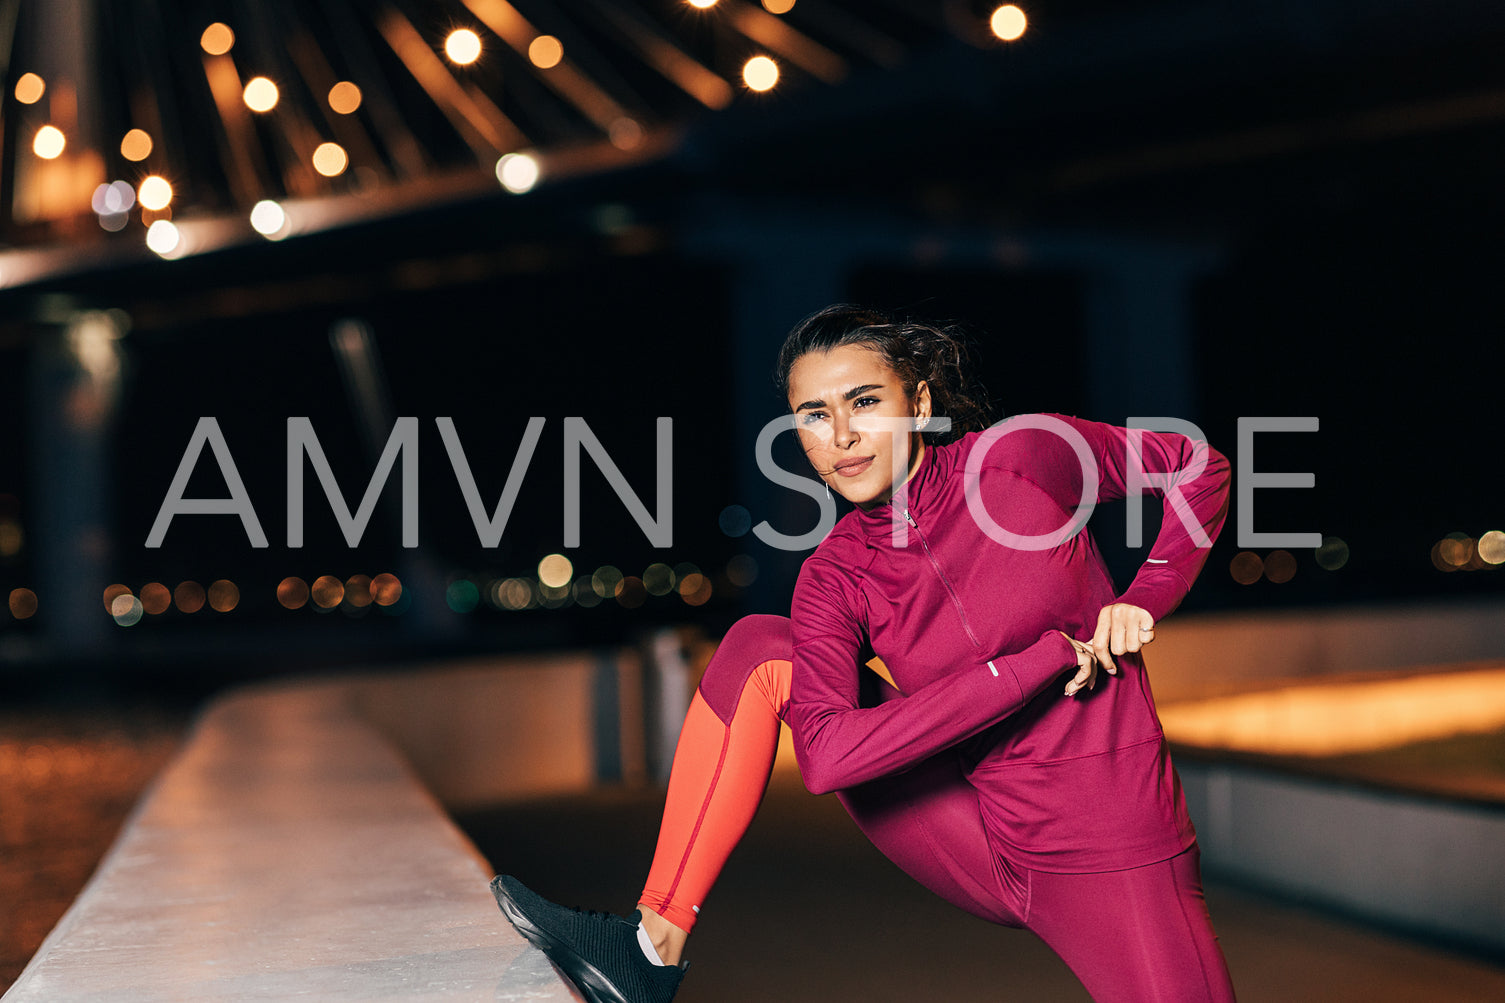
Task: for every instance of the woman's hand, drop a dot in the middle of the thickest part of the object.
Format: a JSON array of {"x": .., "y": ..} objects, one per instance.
[
  {"x": 1086, "y": 662},
  {"x": 1121, "y": 628}
]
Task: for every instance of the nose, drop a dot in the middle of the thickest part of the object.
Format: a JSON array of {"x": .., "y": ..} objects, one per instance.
[{"x": 844, "y": 435}]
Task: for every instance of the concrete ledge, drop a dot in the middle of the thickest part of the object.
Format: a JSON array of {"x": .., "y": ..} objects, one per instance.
[
  {"x": 291, "y": 852},
  {"x": 1426, "y": 865}
]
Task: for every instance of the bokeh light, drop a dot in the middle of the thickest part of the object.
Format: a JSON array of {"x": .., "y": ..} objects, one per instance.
[
  {"x": 156, "y": 598},
  {"x": 386, "y": 589},
  {"x": 260, "y": 94},
  {"x": 1456, "y": 549},
  {"x": 49, "y": 142},
  {"x": 658, "y": 579},
  {"x": 30, "y": 88},
  {"x": 760, "y": 73},
  {"x": 136, "y": 145},
  {"x": 630, "y": 592},
  {"x": 113, "y": 592},
  {"x": 11, "y": 538},
  {"x": 735, "y": 520},
  {"x": 269, "y": 219},
  {"x": 702, "y": 4},
  {"x": 1280, "y": 566},
  {"x": 1008, "y": 22},
  {"x": 1333, "y": 553},
  {"x": 1491, "y": 547},
  {"x": 327, "y": 592},
  {"x": 344, "y": 97},
  {"x": 605, "y": 581},
  {"x": 154, "y": 192},
  {"x": 1246, "y": 567},
  {"x": 778, "y": 6},
  {"x": 625, "y": 133},
  {"x": 555, "y": 571},
  {"x": 126, "y": 610},
  {"x": 516, "y": 594},
  {"x": 224, "y": 595},
  {"x": 518, "y": 172},
  {"x": 292, "y": 592},
  {"x": 188, "y": 597},
  {"x": 217, "y": 39},
  {"x": 695, "y": 589},
  {"x": 462, "y": 596},
  {"x": 331, "y": 160},
  {"x": 162, "y": 237},
  {"x": 585, "y": 592},
  {"x": 742, "y": 570},
  {"x": 545, "y": 52},
  {"x": 463, "y": 46},
  {"x": 358, "y": 594},
  {"x": 23, "y": 604}
]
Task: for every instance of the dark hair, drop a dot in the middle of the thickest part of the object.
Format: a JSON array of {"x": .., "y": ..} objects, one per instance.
[{"x": 914, "y": 350}]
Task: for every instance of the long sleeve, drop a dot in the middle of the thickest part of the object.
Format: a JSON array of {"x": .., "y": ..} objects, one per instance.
[
  {"x": 839, "y": 743},
  {"x": 1188, "y": 476}
]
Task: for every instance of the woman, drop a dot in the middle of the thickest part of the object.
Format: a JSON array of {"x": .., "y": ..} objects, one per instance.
[{"x": 964, "y": 568}]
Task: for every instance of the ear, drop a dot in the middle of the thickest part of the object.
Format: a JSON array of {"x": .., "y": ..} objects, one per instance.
[{"x": 922, "y": 400}]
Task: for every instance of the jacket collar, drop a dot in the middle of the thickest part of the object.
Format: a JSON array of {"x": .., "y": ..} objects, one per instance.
[{"x": 915, "y": 495}]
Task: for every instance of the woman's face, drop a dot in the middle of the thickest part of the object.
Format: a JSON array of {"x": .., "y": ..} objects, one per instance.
[{"x": 831, "y": 394}]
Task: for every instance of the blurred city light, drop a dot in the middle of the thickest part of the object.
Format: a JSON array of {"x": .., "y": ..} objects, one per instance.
[
  {"x": 358, "y": 594},
  {"x": 126, "y": 610},
  {"x": 1246, "y": 568},
  {"x": 327, "y": 592},
  {"x": 1280, "y": 566},
  {"x": 386, "y": 589},
  {"x": 760, "y": 73},
  {"x": 156, "y": 599},
  {"x": 292, "y": 593},
  {"x": 224, "y": 596},
  {"x": 778, "y": 6},
  {"x": 463, "y": 46},
  {"x": 658, "y": 579},
  {"x": 742, "y": 570},
  {"x": 555, "y": 571},
  {"x": 695, "y": 589},
  {"x": 23, "y": 603},
  {"x": 605, "y": 581},
  {"x": 189, "y": 597},
  {"x": 462, "y": 596},
  {"x": 1333, "y": 553},
  {"x": 630, "y": 592},
  {"x": 113, "y": 592},
  {"x": 1491, "y": 547}
]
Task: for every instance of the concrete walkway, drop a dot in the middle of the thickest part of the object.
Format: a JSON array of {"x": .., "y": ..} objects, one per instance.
[{"x": 808, "y": 912}]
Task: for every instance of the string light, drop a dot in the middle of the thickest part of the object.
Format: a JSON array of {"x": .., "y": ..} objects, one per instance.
[
  {"x": 269, "y": 219},
  {"x": 778, "y": 6},
  {"x": 463, "y": 46},
  {"x": 760, "y": 73},
  {"x": 49, "y": 142},
  {"x": 260, "y": 94},
  {"x": 1008, "y": 22},
  {"x": 702, "y": 4}
]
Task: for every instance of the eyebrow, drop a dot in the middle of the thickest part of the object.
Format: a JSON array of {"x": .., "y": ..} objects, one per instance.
[{"x": 854, "y": 392}]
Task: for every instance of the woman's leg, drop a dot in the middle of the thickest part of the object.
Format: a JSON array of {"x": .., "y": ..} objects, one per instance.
[
  {"x": 927, "y": 820},
  {"x": 720, "y": 773},
  {"x": 1134, "y": 936}
]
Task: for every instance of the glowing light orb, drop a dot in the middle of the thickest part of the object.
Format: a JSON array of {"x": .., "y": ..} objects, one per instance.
[
  {"x": 260, "y": 94},
  {"x": 217, "y": 39},
  {"x": 331, "y": 160},
  {"x": 760, "y": 73},
  {"x": 154, "y": 192},
  {"x": 518, "y": 172},
  {"x": 545, "y": 52},
  {"x": 463, "y": 46},
  {"x": 49, "y": 142},
  {"x": 344, "y": 97},
  {"x": 163, "y": 238},
  {"x": 1008, "y": 22},
  {"x": 268, "y": 218},
  {"x": 30, "y": 88}
]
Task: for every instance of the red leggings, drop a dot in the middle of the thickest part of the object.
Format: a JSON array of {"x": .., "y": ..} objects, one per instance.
[{"x": 1138, "y": 934}]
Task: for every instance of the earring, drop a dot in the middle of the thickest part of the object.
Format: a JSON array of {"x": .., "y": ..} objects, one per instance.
[
  {"x": 828, "y": 492},
  {"x": 920, "y": 425}
]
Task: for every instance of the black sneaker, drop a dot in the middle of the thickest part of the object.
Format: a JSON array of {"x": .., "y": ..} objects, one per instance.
[{"x": 597, "y": 950}]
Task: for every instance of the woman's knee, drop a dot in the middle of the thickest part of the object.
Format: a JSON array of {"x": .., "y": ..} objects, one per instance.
[{"x": 749, "y": 643}]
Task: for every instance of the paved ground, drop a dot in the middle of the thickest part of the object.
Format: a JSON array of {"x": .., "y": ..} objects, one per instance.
[{"x": 808, "y": 911}]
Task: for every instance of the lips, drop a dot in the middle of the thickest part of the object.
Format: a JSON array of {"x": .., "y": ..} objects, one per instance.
[{"x": 855, "y": 466}]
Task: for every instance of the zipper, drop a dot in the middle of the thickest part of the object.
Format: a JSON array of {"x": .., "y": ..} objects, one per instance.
[{"x": 955, "y": 599}]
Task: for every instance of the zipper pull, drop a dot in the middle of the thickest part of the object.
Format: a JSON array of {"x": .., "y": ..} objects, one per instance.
[{"x": 910, "y": 519}]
